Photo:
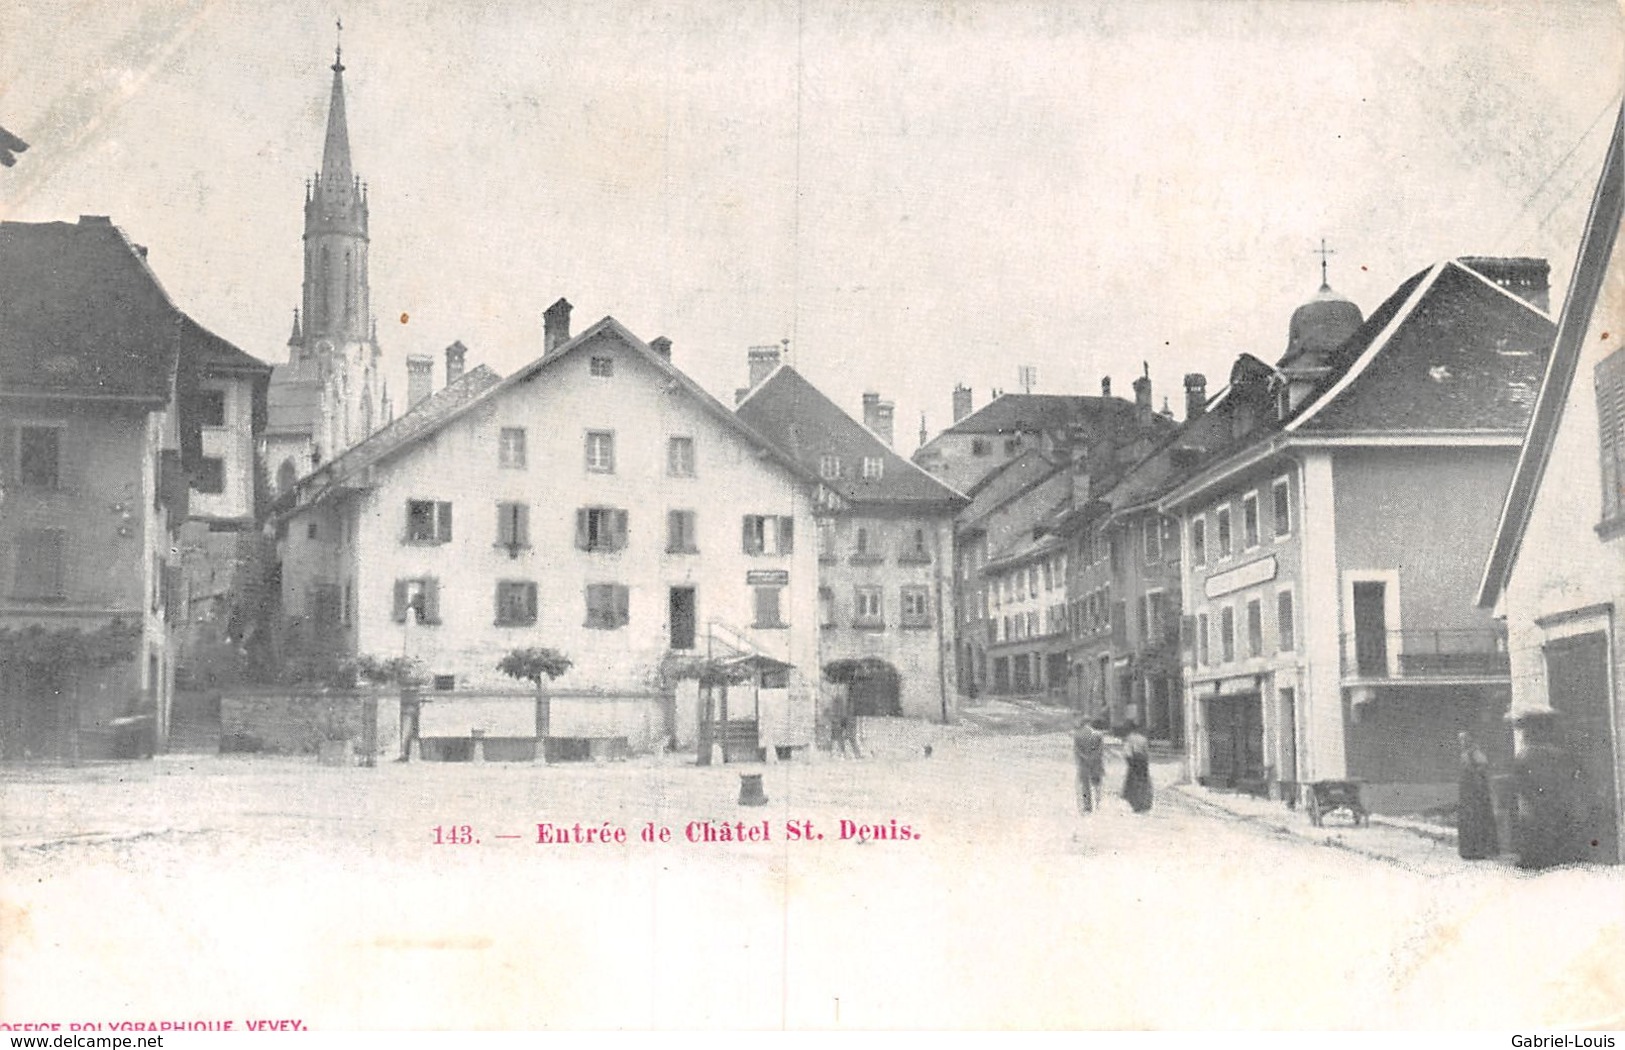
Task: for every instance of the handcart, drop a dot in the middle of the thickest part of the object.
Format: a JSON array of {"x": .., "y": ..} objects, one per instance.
[{"x": 1330, "y": 796}]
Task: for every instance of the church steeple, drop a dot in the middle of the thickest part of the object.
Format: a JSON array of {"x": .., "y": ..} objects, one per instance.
[
  {"x": 336, "y": 171},
  {"x": 337, "y": 299}
]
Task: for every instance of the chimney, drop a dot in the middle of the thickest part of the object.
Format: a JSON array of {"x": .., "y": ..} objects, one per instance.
[
  {"x": 556, "y": 326},
  {"x": 1142, "y": 397},
  {"x": 1195, "y": 395},
  {"x": 763, "y": 360},
  {"x": 661, "y": 346},
  {"x": 1526, "y": 278},
  {"x": 1105, "y": 386},
  {"x": 455, "y": 355},
  {"x": 877, "y": 416},
  {"x": 962, "y": 402},
  {"x": 419, "y": 379}
]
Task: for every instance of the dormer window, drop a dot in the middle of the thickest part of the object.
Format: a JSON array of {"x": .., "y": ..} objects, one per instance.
[
  {"x": 829, "y": 467},
  {"x": 873, "y": 467}
]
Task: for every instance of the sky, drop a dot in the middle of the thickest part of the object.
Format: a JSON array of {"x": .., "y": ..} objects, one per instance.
[{"x": 914, "y": 193}]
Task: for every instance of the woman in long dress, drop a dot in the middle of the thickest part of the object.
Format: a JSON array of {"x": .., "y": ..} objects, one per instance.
[
  {"x": 1476, "y": 837},
  {"x": 1137, "y": 785}
]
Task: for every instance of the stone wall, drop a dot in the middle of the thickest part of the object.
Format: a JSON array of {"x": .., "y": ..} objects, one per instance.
[{"x": 296, "y": 723}]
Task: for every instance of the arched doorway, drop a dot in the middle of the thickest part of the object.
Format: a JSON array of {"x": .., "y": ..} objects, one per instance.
[
  {"x": 873, "y": 686},
  {"x": 286, "y": 475}
]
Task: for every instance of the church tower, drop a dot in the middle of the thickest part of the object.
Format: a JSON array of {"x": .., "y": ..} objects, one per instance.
[{"x": 327, "y": 397}]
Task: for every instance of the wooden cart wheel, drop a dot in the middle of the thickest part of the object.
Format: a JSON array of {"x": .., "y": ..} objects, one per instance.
[{"x": 1314, "y": 807}]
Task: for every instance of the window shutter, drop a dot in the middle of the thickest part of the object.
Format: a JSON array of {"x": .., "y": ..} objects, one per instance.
[
  {"x": 499, "y": 618},
  {"x": 674, "y": 530},
  {"x": 530, "y": 603},
  {"x": 581, "y": 529},
  {"x": 505, "y": 523},
  {"x": 444, "y": 510},
  {"x": 400, "y": 601},
  {"x": 619, "y": 518},
  {"x": 623, "y": 603},
  {"x": 1610, "y": 381},
  {"x": 521, "y": 524},
  {"x": 746, "y": 534},
  {"x": 431, "y": 598},
  {"x": 787, "y": 535},
  {"x": 8, "y": 454}
]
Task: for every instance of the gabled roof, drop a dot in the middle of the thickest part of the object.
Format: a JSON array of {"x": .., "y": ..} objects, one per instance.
[
  {"x": 480, "y": 385},
  {"x": 793, "y": 414},
  {"x": 1591, "y": 268},
  {"x": 82, "y": 314},
  {"x": 1458, "y": 354},
  {"x": 1025, "y": 413}
]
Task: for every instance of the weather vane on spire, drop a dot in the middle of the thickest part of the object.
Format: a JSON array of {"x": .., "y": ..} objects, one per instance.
[
  {"x": 1323, "y": 252},
  {"x": 338, "y": 46}
]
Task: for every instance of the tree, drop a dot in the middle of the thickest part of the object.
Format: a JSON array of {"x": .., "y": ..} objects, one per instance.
[{"x": 533, "y": 664}]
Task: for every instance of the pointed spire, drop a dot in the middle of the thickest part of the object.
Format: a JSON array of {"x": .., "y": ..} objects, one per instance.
[
  {"x": 336, "y": 152},
  {"x": 295, "y": 339}
]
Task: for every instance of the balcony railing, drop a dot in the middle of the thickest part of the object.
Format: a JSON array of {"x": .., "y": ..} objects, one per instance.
[{"x": 1425, "y": 654}]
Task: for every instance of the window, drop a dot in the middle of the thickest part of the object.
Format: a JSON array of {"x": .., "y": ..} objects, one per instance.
[
  {"x": 978, "y": 446},
  {"x": 603, "y": 367},
  {"x": 1249, "y": 520},
  {"x": 210, "y": 476},
  {"x": 867, "y": 610},
  {"x": 207, "y": 408},
  {"x": 917, "y": 550},
  {"x": 1157, "y": 620},
  {"x": 1610, "y": 382},
  {"x": 682, "y": 532},
  {"x": 418, "y": 597},
  {"x": 1204, "y": 655},
  {"x": 1153, "y": 540},
  {"x": 829, "y": 467},
  {"x": 312, "y": 531},
  {"x": 445, "y": 683},
  {"x": 513, "y": 526},
  {"x": 1142, "y": 617},
  {"x": 826, "y": 607},
  {"x": 680, "y": 457},
  {"x": 1281, "y": 493},
  {"x": 1227, "y": 634},
  {"x": 349, "y": 604},
  {"x": 516, "y": 603},
  {"x": 39, "y": 452},
  {"x": 1012, "y": 446},
  {"x": 1199, "y": 542},
  {"x": 1049, "y": 576},
  {"x": 1285, "y": 627},
  {"x": 601, "y": 451},
  {"x": 768, "y": 534},
  {"x": 916, "y": 607},
  {"x": 873, "y": 468},
  {"x": 1224, "y": 532},
  {"x": 1255, "y": 628},
  {"x": 608, "y": 606},
  {"x": 428, "y": 521},
  {"x": 41, "y": 568},
  {"x": 767, "y": 608},
  {"x": 600, "y": 529},
  {"x": 511, "y": 448},
  {"x": 1032, "y": 581},
  {"x": 826, "y": 539}
]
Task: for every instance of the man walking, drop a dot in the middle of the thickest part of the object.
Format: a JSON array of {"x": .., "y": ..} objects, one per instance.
[{"x": 1089, "y": 752}]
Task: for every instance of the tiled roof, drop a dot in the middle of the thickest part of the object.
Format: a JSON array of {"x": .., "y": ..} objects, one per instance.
[
  {"x": 426, "y": 416},
  {"x": 1024, "y": 413},
  {"x": 1460, "y": 354},
  {"x": 80, "y": 312},
  {"x": 793, "y": 414}
]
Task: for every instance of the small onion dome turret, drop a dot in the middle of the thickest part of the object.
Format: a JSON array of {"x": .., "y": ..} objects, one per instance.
[{"x": 1318, "y": 327}]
